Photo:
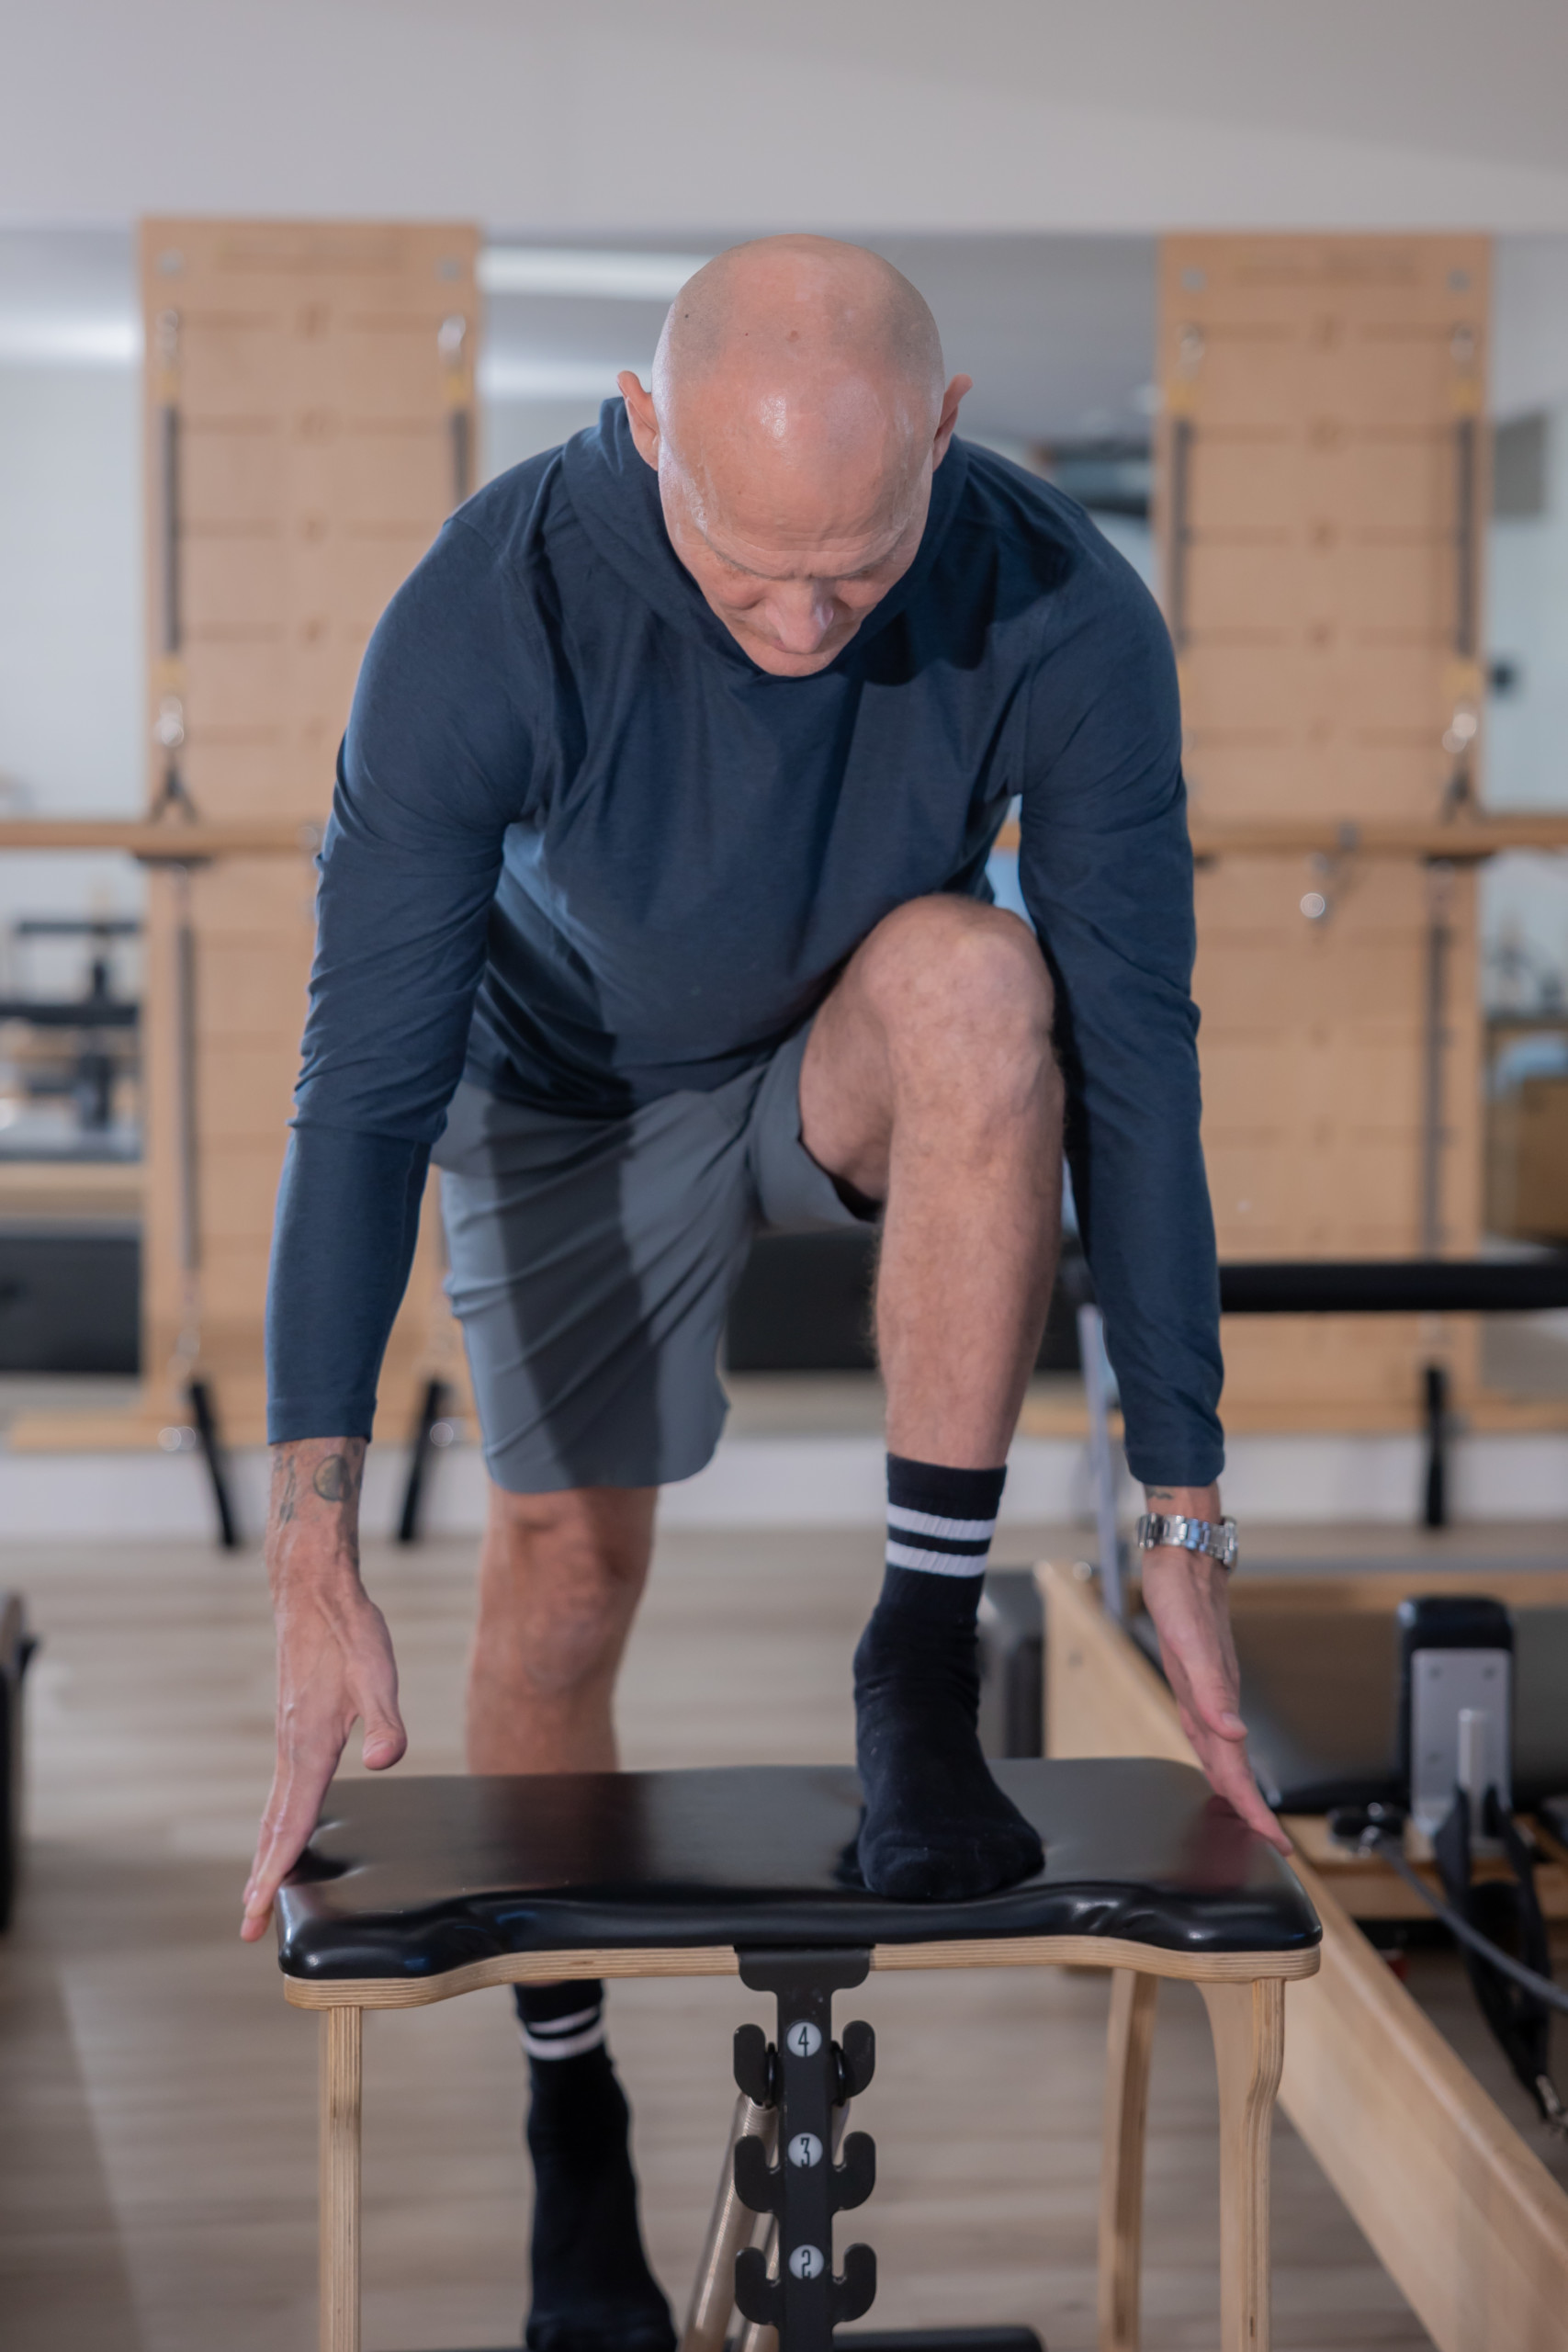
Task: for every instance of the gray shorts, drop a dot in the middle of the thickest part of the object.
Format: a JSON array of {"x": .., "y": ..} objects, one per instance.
[{"x": 592, "y": 1263}]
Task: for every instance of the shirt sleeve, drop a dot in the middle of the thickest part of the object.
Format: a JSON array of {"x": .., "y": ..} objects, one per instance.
[
  {"x": 1106, "y": 870},
  {"x": 436, "y": 762}
]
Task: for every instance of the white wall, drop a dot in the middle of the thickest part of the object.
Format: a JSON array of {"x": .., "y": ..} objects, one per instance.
[
  {"x": 71, "y": 669},
  {"x": 512, "y": 430},
  {"x": 1525, "y": 900},
  {"x": 1530, "y": 324},
  {"x": 1527, "y": 730},
  {"x": 888, "y": 114}
]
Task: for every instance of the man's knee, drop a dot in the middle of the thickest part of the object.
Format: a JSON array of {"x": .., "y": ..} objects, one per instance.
[
  {"x": 562, "y": 1575},
  {"x": 961, "y": 989}
]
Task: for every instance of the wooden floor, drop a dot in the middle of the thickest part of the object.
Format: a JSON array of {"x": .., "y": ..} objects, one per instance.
[{"x": 157, "y": 2165}]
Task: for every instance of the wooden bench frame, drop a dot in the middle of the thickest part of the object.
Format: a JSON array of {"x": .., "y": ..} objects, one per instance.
[
  {"x": 1459, "y": 2208},
  {"x": 1243, "y": 1993}
]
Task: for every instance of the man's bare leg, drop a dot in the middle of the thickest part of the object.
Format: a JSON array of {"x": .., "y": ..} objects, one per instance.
[
  {"x": 930, "y": 1083},
  {"x": 560, "y": 1577}
]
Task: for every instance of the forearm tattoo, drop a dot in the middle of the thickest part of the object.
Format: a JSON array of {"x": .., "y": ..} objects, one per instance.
[{"x": 336, "y": 1478}]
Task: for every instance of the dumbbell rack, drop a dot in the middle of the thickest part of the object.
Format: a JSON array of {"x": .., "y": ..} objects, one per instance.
[
  {"x": 791, "y": 2160},
  {"x": 806, "y": 2076}
]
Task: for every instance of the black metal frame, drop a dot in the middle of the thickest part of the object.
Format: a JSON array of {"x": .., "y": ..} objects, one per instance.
[
  {"x": 1394, "y": 1285},
  {"x": 432, "y": 1409},
  {"x": 210, "y": 1439},
  {"x": 805, "y": 2074},
  {"x": 810, "y": 2079},
  {"x": 16, "y": 1648}
]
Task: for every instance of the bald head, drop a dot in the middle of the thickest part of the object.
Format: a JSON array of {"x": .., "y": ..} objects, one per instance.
[
  {"x": 798, "y": 354},
  {"x": 797, "y": 413},
  {"x": 790, "y": 320}
]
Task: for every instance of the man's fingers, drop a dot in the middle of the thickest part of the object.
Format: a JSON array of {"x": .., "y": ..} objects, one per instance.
[
  {"x": 1257, "y": 1815},
  {"x": 1207, "y": 1689},
  {"x": 1229, "y": 1774},
  {"x": 335, "y": 1667},
  {"x": 384, "y": 1736},
  {"x": 295, "y": 1805},
  {"x": 386, "y": 1741},
  {"x": 375, "y": 1692},
  {"x": 1200, "y": 1664},
  {"x": 1195, "y": 1643},
  {"x": 1214, "y": 1705},
  {"x": 277, "y": 1857},
  {"x": 284, "y": 1834}
]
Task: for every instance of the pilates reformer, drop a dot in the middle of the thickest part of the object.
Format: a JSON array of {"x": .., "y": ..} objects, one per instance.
[
  {"x": 1322, "y": 1689},
  {"x": 1452, "y": 2197},
  {"x": 1454, "y": 2201},
  {"x": 414, "y": 1891}
]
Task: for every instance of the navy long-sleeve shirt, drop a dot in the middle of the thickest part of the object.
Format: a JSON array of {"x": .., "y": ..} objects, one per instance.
[{"x": 585, "y": 851}]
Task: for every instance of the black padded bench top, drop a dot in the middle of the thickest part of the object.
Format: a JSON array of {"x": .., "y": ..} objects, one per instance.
[
  {"x": 408, "y": 1877},
  {"x": 1320, "y": 1699}
]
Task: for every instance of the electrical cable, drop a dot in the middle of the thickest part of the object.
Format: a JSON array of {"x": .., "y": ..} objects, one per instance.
[{"x": 1382, "y": 1842}]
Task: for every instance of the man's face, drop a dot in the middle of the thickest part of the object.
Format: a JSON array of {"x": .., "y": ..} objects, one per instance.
[
  {"x": 793, "y": 536},
  {"x": 790, "y": 596}
]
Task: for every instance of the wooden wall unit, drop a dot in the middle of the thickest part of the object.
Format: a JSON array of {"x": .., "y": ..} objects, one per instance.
[
  {"x": 1322, "y": 491},
  {"x": 310, "y": 416}
]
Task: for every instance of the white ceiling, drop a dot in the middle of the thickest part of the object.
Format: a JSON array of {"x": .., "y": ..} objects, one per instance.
[
  {"x": 1468, "y": 79},
  {"x": 899, "y": 115}
]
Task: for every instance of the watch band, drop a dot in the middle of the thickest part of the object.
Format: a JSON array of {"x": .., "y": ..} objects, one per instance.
[{"x": 1216, "y": 1539}]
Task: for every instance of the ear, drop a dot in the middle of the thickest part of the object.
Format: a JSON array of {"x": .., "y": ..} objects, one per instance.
[
  {"x": 640, "y": 417},
  {"x": 948, "y": 421}
]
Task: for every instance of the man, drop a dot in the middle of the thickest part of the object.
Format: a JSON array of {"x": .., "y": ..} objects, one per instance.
[{"x": 654, "y": 897}]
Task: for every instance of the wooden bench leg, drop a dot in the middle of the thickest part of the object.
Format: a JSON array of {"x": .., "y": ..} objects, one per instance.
[
  {"x": 1128, "y": 2050},
  {"x": 1247, "y": 2022},
  {"x": 342, "y": 2077},
  {"x": 732, "y": 2226}
]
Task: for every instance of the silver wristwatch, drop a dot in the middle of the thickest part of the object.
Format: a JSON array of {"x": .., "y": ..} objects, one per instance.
[{"x": 1217, "y": 1539}]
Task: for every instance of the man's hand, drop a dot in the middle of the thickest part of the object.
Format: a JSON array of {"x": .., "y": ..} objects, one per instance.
[
  {"x": 1185, "y": 1594},
  {"x": 335, "y": 1656}
]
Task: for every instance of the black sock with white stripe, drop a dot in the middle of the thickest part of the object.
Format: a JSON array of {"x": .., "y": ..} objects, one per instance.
[
  {"x": 593, "y": 2288},
  {"x": 937, "y": 1828}
]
